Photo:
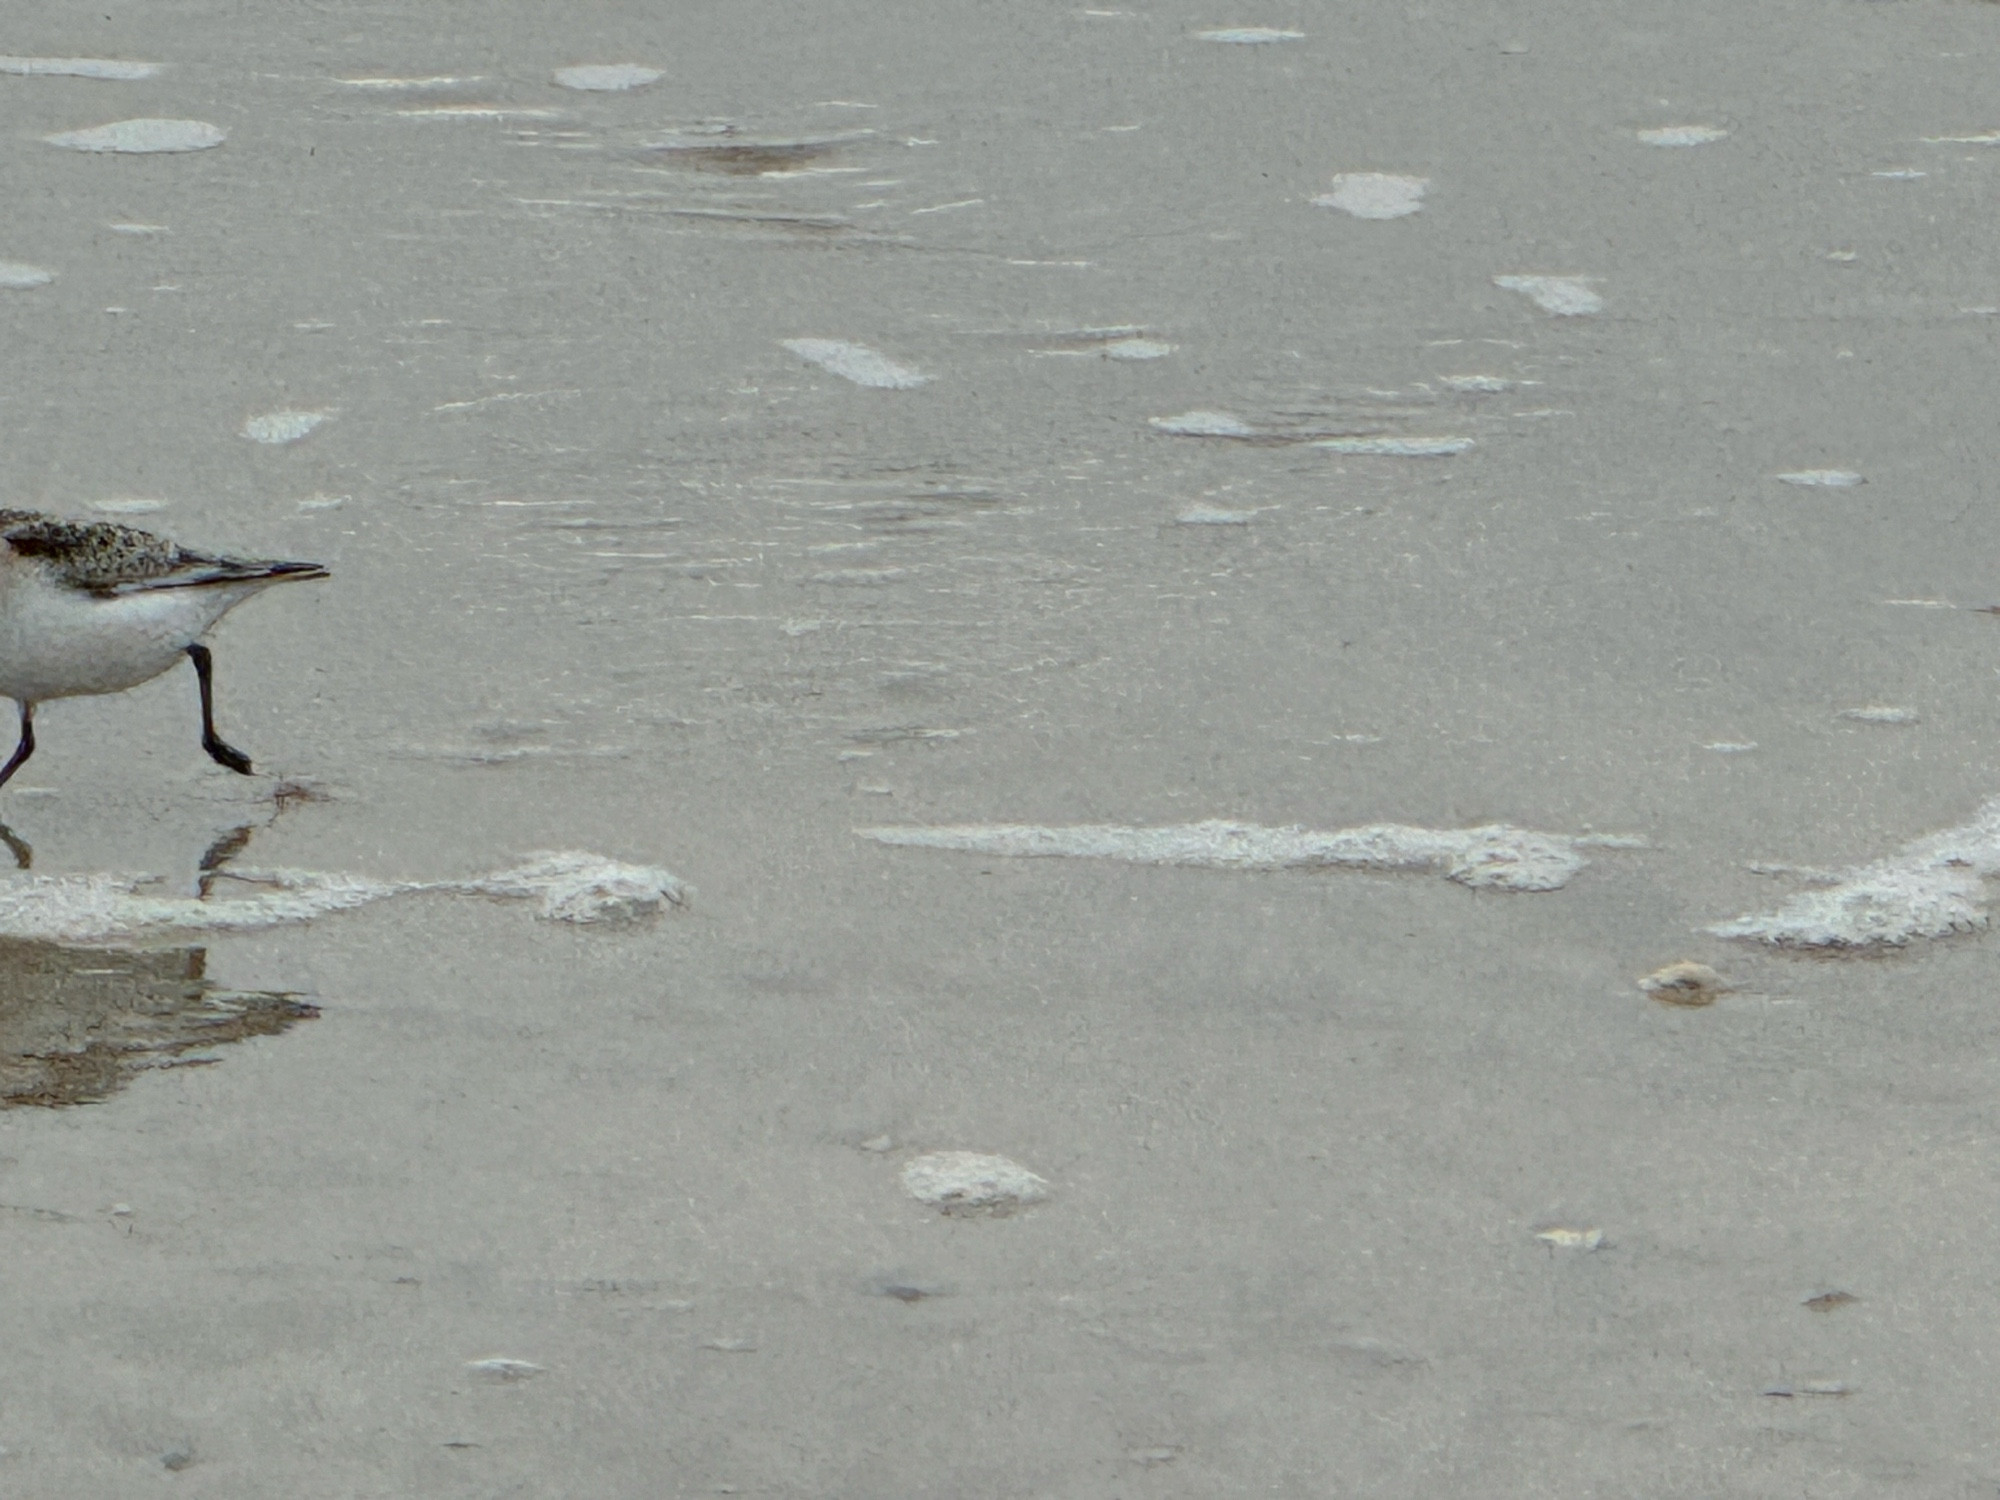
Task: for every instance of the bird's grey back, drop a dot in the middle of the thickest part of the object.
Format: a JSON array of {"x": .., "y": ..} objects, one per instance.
[{"x": 96, "y": 555}]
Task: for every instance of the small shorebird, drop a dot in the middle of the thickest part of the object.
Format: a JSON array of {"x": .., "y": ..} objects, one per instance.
[{"x": 88, "y": 607}]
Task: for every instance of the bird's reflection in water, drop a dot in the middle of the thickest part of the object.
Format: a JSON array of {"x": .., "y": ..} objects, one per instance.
[{"x": 76, "y": 1023}]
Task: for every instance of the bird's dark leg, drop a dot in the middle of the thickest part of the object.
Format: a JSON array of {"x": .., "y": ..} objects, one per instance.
[
  {"x": 222, "y": 753},
  {"x": 225, "y": 848},
  {"x": 25, "y": 748}
]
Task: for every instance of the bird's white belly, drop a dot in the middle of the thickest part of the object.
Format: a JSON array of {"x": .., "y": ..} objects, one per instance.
[{"x": 59, "y": 643}]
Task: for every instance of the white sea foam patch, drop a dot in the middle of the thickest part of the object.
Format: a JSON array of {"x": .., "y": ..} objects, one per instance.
[
  {"x": 1495, "y": 856},
  {"x": 1397, "y": 447},
  {"x": 1249, "y": 36},
  {"x": 109, "y": 69},
  {"x": 1565, "y": 296},
  {"x": 1933, "y": 888},
  {"x": 1375, "y": 195},
  {"x": 142, "y": 137},
  {"x": 608, "y": 78},
  {"x": 567, "y": 887},
  {"x": 1682, "y": 135},
  {"x": 858, "y": 363},
  {"x": 972, "y": 1181},
  {"x": 1203, "y": 424},
  {"x": 16, "y": 277},
  {"x": 1476, "y": 385},
  {"x": 278, "y": 427},
  {"x": 1824, "y": 479}
]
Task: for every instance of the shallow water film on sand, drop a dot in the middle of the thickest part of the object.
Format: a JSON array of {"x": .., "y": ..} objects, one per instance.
[{"x": 1065, "y": 752}]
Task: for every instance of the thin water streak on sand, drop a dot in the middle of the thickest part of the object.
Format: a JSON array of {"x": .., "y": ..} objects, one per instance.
[
  {"x": 109, "y": 69},
  {"x": 857, "y": 363}
]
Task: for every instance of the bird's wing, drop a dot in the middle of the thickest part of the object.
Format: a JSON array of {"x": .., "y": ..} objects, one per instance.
[
  {"x": 100, "y": 557},
  {"x": 199, "y": 571}
]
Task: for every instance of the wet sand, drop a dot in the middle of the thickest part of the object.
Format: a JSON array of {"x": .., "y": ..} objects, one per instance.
[{"x": 1567, "y": 425}]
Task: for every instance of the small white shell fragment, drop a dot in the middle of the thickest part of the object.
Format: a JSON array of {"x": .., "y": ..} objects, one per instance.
[
  {"x": 1565, "y": 296},
  {"x": 1685, "y": 983},
  {"x": 16, "y": 277},
  {"x": 607, "y": 77},
  {"x": 1484, "y": 385},
  {"x": 503, "y": 1371},
  {"x": 1204, "y": 424},
  {"x": 1203, "y": 514},
  {"x": 1375, "y": 195},
  {"x": 1137, "y": 349},
  {"x": 142, "y": 137},
  {"x": 1395, "y": 447},
  {"x": 970, "y": 1181},
  {"x": 279, "y": 427},
  {"x": 1682, "y": 135},
  {"x": 106, "y": 68},
  {"x": 1824, "y": 479},
  {"x": 1249, "y": 36},
  {"x": 1561, "y": 1238},
  {"x": 858, "y": 363},
  {"x": 1881, "y": 713}
]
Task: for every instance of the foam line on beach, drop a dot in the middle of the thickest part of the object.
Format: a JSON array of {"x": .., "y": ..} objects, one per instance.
[
  {"x": 1495, "y": 855},
  {"x": 1934, "y": 887},
  {"x": 567, "y": 887}
]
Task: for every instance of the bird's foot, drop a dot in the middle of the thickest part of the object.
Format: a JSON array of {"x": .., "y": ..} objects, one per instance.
[{"x": 224, "y": 754}]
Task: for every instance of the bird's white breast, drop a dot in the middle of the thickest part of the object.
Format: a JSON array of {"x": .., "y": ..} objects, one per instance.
[{"x": 59, "y": 642}]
